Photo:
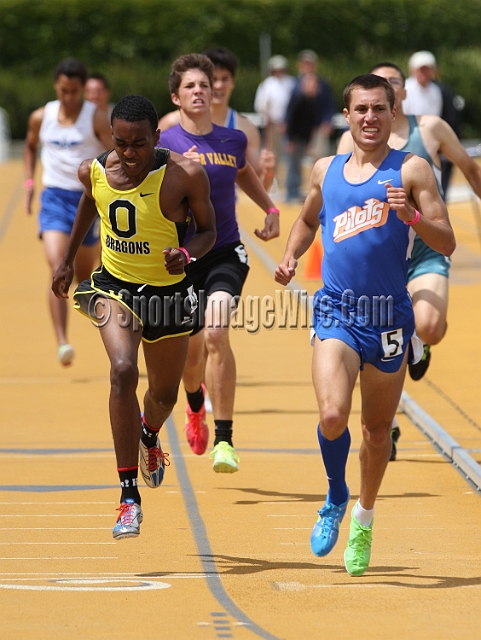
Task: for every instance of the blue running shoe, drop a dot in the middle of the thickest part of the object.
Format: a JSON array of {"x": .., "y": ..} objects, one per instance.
[{"x": 326, "y": 530}]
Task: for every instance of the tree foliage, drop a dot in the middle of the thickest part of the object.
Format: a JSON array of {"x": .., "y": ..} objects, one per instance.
[{"x": 135, "y": 42}]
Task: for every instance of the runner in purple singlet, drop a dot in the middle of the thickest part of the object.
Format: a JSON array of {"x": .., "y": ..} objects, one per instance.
[
  {"x": 218, "y": 276},
  {"x": 225, "y": 67}
]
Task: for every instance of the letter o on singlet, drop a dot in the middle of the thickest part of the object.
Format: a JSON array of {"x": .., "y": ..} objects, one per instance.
[{"x": 131, "y": 218}]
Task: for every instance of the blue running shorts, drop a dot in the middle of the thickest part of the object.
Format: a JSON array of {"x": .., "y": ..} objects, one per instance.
[
  {"x": 426, "y": 260},
  {"x": 378, "y": 329},
  {"x": 57, "y": 213}
]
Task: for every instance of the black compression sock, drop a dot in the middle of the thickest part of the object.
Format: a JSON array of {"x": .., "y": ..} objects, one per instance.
[
  {"x": 223, "y": 431},
  {"x": 128, "y": 484},
  {"x": 196, "y": 400},
  {"x": 148, "y": 435}
]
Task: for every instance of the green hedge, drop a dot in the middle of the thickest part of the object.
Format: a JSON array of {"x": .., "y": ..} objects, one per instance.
[{"x": 135, "y": 42}]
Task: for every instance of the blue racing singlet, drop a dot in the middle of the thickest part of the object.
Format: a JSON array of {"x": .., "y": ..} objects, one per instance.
[
  {"x": 415, "y": 144},
  {"x": 366, "y": 247},
  {"x": 231, "y": 119}
]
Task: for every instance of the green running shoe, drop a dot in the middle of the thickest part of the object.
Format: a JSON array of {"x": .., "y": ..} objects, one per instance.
[
  {"x": 226, "y": 458},
  {"x": 358, "y": 550}
]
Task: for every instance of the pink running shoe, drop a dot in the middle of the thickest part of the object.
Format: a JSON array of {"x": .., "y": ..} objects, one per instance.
[{"x": 196, "y": 428}]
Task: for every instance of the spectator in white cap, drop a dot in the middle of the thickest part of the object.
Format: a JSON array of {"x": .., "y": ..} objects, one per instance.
[
  {"x": 272, "y": 97},
  {"x": 425, "y": 96}
]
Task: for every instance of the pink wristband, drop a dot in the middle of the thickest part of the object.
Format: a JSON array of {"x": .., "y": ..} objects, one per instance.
[
  {"x": 186, "y": 254},
  {"x": 28, "y": 183},
  {"x": 273, "y": 210},
  {"x": 417, "y": 215}
]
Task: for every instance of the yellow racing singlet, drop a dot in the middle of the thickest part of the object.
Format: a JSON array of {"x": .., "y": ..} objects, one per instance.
[{"x": 133, "y": 229}]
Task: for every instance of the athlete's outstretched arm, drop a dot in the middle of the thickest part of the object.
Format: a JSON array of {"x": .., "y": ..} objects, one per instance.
[
  {"x": 30, "y": 154},
  {"x": 250, "y": 183},
  {"x": 306, "y": 226},
  {"x": 169, "y": 120},
  {"x": 86, "y": 214},
  {"x": 263, "y": 162},
  {"x": 450, "y": 146},
  {"x": 102, "y": 129}
]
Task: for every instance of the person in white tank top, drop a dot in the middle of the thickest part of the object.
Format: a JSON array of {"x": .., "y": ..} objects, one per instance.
[{"x": 69, "y": 130}]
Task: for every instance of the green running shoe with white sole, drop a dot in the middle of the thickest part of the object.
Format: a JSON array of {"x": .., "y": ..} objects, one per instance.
[
  {"x": 226, "y": 458},
  {"x": 358, "y": 550}
]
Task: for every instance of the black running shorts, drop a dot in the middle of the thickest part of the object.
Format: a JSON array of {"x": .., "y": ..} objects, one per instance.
[
  {"x": 159, "y": 312},
  {"x": 222, "y": 269}
]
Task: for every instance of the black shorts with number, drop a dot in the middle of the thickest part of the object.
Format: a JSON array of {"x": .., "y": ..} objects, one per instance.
[
  {"x": 222, "y": 269},
  {"x": 159, "y": 312}
]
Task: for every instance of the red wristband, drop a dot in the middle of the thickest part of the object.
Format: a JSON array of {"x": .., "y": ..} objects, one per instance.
[
  {"x": 273, "y": 210},
  {"x": 186, "y": 254},
  {"x": 417, "y": 215},
  {"x": 28, "y": 183}
]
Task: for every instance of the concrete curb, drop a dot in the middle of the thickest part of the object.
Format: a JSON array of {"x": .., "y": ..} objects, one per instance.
[{"x": 441, "y": 438}]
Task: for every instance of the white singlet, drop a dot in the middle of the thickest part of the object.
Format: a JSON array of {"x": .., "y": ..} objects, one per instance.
[{"x": 65, "y": 147}]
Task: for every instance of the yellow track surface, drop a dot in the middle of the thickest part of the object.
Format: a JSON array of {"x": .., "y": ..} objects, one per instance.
[{"x": 225, "y": 556}]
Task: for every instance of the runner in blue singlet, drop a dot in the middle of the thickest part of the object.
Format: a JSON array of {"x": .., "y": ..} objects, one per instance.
[
  {"x": 367, "y": 205},
  {"x": 428, "y": 137}
]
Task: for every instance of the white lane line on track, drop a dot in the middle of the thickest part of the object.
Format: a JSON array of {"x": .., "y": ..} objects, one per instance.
[
  {"x": 55, "y": 528},
  {"x": 63, "y": 558},
  {"x": 282, "y": 502},
  {"x": 43, "y": 503},
  {"x": 63, "y": 456},
  {"x": 56, "y": 515},
  {"x": 100, "y": 576},
  {"x": 39, "y": 543},
  {"x": 54, "y": 381},
  {"x": 298, "y": 586},
  {"x": 92, "y": 586},
  {"x": 418, "y": 455},
  {"x": 411, "y": 515}
]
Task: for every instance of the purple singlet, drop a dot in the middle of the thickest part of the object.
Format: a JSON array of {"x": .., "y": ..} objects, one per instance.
[{"x": 222, "y": 153}]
